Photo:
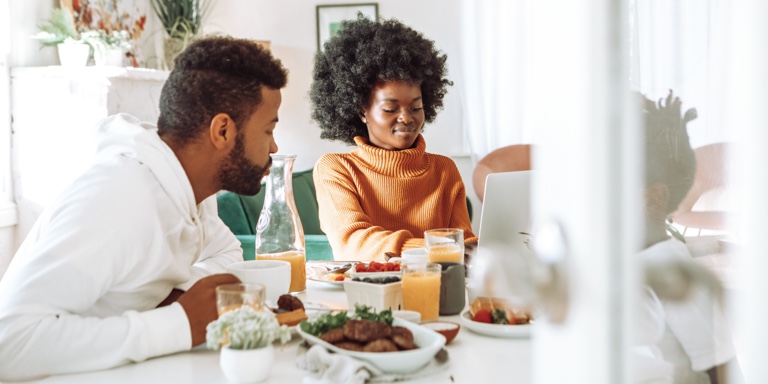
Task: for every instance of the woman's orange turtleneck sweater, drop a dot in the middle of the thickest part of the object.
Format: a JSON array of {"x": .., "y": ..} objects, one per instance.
[{"x": 374, "y": 200}]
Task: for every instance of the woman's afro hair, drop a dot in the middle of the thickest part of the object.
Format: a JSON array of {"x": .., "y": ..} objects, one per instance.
[{"x": 365, "y": 53}]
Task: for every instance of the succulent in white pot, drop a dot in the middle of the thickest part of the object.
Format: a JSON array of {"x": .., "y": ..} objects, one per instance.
[{"x": 245, "y": 337}]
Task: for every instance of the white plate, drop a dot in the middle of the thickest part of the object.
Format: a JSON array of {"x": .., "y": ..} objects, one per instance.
[
  {"x": 498, "y": 330},
  {"x": 317, "y": 273},
  {"x": 429, "y": 342}
]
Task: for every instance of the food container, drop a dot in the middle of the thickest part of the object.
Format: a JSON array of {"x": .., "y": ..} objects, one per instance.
[
  {"x": 378, "y": 296},
  {"x": 448, "y": 329}
]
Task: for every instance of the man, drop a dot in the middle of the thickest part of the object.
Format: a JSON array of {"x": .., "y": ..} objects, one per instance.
[
  {"x": 694, "y": 336},
  {"x": 124, "y": 265}
]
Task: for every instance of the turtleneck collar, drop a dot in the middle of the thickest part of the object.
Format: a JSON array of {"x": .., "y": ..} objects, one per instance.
[{"x": 404, "y": 163}]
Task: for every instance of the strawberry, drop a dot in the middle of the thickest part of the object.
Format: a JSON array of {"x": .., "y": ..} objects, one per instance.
[{"x": 482, "y": 316}]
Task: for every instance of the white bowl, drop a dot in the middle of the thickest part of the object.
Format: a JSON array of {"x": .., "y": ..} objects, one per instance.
[
  {"x": 275, "y": 275},
  {"x": 412, "y": 316},
  {"x": 378, "y": 296},
  {"x": 429, "y": 342},
  {"x": 412, "y": 256}
]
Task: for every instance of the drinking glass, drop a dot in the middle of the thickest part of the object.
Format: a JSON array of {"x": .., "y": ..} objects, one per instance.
[
  {"x": 421, "y": 289},
  {"x": 233, "y": 296},
  {"x": 444, "y": 244}
]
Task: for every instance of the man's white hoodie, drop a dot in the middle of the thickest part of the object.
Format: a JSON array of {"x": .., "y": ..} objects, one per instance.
[{"x": 81, "y": 293}]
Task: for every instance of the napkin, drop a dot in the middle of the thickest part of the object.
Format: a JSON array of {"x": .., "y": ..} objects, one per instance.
[{"x": 324, "y": 367}]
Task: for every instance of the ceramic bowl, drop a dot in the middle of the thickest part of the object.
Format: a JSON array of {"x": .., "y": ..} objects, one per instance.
[
  {"x": 429, "y": 342},
  {"x": 446, "y": 328},
  {"x": 412, "y": 316},
  {"x": 275, "y": 275}
]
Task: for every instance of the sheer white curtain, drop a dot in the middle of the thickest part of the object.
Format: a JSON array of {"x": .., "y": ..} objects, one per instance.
[
  {"x": 682, "y": 45},
  {"x": 493, "y": 69}
]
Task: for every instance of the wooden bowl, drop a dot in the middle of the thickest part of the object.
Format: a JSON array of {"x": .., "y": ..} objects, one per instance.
[{"x": 446, "y": 328}]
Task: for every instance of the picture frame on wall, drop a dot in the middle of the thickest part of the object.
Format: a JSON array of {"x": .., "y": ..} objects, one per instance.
[{"x": 330, "y": 16}]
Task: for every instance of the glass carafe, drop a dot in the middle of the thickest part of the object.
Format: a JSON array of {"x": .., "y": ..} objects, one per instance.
[{"x": 279, "y": 234}]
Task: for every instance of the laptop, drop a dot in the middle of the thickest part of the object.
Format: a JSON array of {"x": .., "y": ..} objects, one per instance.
[{"x": 504, "y": 249}]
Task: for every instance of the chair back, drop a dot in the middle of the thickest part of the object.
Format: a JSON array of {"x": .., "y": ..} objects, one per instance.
[
  {"x": 505, "y": 159},
  {"x": 695, "y": 211}
]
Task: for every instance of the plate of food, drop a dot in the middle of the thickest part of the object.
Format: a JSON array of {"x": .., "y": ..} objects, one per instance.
[
  {"x": 391, "y": 344},
  {"x": 323, "y": 275},
  {"x": 495, "y": 317}
]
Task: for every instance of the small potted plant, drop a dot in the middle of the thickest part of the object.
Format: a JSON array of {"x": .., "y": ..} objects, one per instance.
[
  {"x": 182, "y": 21},
  {"x": 60, "y": 31},
  {"x": 245, "y": 337},
  {"x": 109, "y": 48}
]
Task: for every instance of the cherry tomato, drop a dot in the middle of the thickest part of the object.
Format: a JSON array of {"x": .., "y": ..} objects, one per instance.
[{"x": 482, "y": 316}]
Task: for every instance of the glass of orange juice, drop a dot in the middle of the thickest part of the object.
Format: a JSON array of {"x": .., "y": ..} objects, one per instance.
[
  {"x": 421, "y": 289},
  {"x": 298, "y": 267},
  {"x": 444, "y": 244},
  {"x": 233, "y": 296}
]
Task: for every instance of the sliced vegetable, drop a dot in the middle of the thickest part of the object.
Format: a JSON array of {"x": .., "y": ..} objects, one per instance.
[
  {"x": 499, "y": 316},
  {"x": 482, "y": 316}
]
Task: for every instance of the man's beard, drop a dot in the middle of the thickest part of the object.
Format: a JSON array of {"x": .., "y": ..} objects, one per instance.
[{"x": 238, "y": 174}]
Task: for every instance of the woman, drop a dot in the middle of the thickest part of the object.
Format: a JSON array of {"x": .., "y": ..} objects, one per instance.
[{"x": 374, "y": 86}]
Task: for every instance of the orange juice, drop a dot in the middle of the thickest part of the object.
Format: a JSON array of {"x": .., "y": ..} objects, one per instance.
[
  {"x": 421, "y": 293},
  {"x": 298, "y": 268},
  {"x": 445, "y": 252}
]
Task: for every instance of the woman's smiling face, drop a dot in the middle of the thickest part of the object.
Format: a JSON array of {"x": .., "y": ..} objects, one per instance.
[{"x": 394, "y": 115}]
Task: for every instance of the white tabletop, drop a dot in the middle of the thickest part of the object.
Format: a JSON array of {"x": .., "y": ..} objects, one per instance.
[{"x": 473, "y": 358}]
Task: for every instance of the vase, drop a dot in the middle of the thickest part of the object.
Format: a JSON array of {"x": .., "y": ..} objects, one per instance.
[
  {"x": 247, "y": 365},
  {"x": 73, "y": 54},
  {"x": 172, "y": 46},
  {"x": 111, "y": 56}
]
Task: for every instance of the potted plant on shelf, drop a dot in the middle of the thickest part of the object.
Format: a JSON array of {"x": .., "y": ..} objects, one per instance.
[
  {"x": 182, "y": 21},
  {"x": 108, "y": 48},
  {"x": 60, "y": 31},
  {"x": 245, "y": 337},
  {"x": 111, "y": 31}
]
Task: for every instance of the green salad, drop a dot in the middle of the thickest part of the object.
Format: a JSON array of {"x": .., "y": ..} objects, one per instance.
[{"x": 329, "y": 321}]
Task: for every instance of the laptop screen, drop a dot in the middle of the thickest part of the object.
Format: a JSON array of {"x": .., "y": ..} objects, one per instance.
[{"x": 504, "y": 247}]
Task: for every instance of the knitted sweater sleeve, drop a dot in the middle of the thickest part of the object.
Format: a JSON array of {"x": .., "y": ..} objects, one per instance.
[{"x": 351, "y": 233}]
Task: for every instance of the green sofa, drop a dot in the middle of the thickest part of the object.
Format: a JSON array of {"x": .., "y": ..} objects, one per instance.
[{"x": 241, "y": 213}]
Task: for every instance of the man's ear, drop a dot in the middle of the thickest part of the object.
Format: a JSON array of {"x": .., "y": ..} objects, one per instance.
[{"x": 222, "y": 131}]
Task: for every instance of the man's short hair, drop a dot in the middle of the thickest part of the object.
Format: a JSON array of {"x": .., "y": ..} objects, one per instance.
[{"x": 218, "y": 74}]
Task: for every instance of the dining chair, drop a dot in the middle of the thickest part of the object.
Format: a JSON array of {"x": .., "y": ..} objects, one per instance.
[
  {"x": 704, "y": 206},
  {"x": 511, "y": 158}
]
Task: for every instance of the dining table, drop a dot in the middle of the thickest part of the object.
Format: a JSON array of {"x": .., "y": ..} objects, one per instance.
[{"x": 472, "y": 357}]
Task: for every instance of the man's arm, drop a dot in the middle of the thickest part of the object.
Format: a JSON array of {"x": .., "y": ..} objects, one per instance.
[{"x": 220, "y": 248}]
